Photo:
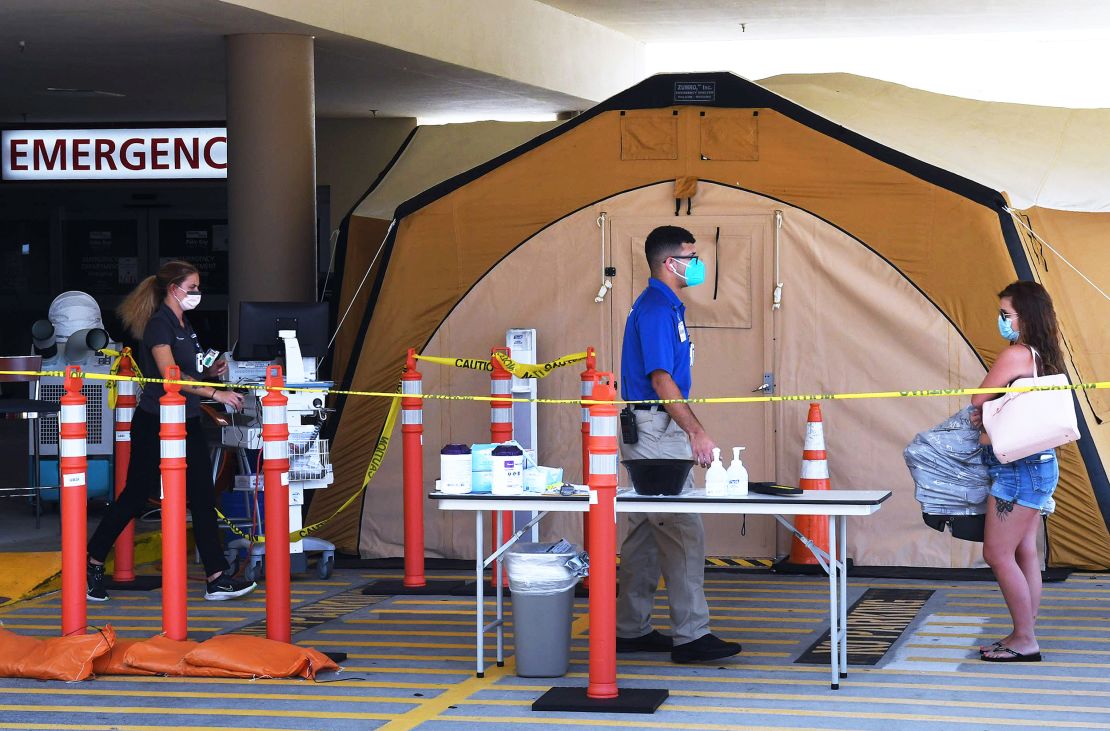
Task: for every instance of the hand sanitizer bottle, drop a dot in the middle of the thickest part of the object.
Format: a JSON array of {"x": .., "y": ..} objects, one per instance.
[
  {"x": 737, "y": 475},
  {"x": 716, "y": 479}
]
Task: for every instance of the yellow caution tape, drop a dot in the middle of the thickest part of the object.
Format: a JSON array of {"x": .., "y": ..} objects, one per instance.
[
  {"x": 520, "y": 370},
  {"x": 376, "y": 460},
  {"x": 113, "y": 384}
]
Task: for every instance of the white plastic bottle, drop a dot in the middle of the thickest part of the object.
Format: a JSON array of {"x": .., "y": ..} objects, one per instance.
[
  {"x": 737, "y": 475},
  {"x": 716, "y": 479}
]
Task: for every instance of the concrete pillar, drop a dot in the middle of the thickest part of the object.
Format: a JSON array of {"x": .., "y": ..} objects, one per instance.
[{"x": 271, "y": 171}]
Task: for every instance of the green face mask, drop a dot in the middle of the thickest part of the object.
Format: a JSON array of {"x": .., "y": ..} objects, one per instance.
[{"x": 695, "y": 272}]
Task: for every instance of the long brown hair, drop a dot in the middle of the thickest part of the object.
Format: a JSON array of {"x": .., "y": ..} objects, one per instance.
[
  {"x": 1037, "y": 323},
  {"x": 137, "y": 308}
]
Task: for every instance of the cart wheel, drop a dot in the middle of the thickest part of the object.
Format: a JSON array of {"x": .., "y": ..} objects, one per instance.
[{"x": 324, "y": 567}]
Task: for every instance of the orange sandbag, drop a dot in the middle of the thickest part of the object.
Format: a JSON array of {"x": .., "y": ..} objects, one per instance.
[
  {"x": 57, "y": 658},
  {"x": 114, "y": 662},
  {"x": 159, "y": 655},
  {"x": 259, "y": 657}
]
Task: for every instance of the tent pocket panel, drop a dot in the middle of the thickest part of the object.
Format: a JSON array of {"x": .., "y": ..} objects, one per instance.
[
  {"x": 649, "y": 136},
  {"x": 730, "y": 135}
]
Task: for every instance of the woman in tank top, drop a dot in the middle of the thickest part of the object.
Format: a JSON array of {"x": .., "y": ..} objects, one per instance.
[{"x": 1022, "y": 489}]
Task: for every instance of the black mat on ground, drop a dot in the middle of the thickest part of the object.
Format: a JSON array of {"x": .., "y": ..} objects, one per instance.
[
  {"x": 875, "y": 622},
  {"x": 141, "y": 583},
  {"x": 575, "y": 700},
  {"x": 396, "y": 587},
  {"x": 804, "y": 569},
  {"x": 343, "y": 561},
  {"x": 926, "y": 573}
]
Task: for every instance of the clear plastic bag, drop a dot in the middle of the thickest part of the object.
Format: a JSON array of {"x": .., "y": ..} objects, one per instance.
[
  {"x": 948, "y": 473},
  {"x": 535, "y": 569}
]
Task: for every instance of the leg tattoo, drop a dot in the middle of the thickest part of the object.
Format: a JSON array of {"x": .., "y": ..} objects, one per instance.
[{"x": 1002, "y": 507}]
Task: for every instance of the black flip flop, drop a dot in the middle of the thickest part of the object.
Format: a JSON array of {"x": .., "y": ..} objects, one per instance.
[
  {"x": 992, "y": 647},
  {"x": 1013, "y": 656}
]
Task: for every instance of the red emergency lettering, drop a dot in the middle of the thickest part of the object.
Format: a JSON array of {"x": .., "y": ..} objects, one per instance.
[
  {"x": 180, "y": 150},
  {"x": 57, "y": 156},
  {"x": 103, "y": 157},
  {"x": 157, "y": 152},
  {"x": 78, "y": 151},
  {"x": 208, "y": 153},
  {"x": 135, "y": 162},
  {"x": 16, "y": 153}
]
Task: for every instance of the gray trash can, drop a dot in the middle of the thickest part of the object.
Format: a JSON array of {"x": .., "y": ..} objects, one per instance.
[{"x": 542, "y": 589}]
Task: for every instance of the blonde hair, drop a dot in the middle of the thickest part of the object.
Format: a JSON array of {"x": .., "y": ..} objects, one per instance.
[{"x": 138, "y": 307}]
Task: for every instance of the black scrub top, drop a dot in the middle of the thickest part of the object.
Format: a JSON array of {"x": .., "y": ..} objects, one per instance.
[{"x": 164, "y": 329}]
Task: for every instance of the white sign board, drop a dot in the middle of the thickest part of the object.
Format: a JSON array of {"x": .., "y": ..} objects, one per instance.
[{"x": 114, "y": 154}]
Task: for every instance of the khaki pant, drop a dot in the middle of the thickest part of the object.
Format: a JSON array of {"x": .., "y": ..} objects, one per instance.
[{"x": 671, "y": 544}]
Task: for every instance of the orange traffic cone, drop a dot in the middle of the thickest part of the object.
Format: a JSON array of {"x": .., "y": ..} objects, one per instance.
[{"x": 815, "y": 476}]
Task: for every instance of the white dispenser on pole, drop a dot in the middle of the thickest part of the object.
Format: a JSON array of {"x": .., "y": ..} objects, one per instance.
[
  {"x": 716, "y": 479},
  {"x": 737, "y": 475}
]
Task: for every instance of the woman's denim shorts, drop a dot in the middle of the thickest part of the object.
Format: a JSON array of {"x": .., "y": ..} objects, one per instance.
[{"x": 1029, "y": 481}]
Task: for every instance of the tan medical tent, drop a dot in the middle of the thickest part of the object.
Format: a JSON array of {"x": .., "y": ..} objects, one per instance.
[{"x": 888, "y": 265}]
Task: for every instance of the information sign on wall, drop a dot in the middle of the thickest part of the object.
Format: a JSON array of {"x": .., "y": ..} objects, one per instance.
[{"x": 114, "y": 154}]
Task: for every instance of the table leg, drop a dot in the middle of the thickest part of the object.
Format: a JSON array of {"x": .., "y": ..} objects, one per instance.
[
  {"x": 480, "y": 596},
  {"x": 500, "y": 569},
  {"x": 843, "y": 552},
  {"x": 834, "y": 609}
]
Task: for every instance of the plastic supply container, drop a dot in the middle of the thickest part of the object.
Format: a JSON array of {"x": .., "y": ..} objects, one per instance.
[
  {"x": 455, "y": 469},
  {"x": 508, "y": 470},
  {"x": 542, "y": 589}
]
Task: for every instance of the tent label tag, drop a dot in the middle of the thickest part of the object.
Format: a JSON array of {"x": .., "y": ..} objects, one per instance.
[{"x": 695, "y": 91}]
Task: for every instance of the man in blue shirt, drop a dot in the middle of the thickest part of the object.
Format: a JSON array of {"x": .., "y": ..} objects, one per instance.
[{"x": 655, "y": 364}]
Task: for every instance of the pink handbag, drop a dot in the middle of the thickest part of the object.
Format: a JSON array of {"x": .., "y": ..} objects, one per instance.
[{"x": 1026, "y": 422}]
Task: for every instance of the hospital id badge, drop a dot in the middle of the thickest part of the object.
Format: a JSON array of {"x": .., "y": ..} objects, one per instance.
[
  {"x": 681, "y": 331},
  {"x": 691, "y": 354}
]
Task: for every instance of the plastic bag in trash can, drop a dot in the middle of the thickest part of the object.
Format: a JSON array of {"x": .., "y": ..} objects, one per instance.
[{"x": 534, "y": 569}]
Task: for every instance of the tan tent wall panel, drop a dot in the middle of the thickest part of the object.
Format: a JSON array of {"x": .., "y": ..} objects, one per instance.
[
  {"x": 364, "y": 239},
  {"x": 865, "y": 438},
  {"x": 950, "y": 247},
  {"x": 1079, "y": 536}
]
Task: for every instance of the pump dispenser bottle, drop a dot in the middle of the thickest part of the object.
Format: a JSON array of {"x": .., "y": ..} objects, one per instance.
[
  {"x": 716, "y": 478},
  {"x": 737, "y": 475}
]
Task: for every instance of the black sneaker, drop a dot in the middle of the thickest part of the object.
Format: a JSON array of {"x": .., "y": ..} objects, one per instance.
[
  {"x": 94, "y": 576},
  {"x": 227, "y": 587},
  {"x": 706, "y": 647},
  {"x": 654, "y": 641}
]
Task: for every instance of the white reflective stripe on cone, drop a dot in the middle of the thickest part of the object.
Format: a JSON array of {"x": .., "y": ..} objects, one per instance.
[
  {"x": 172, "y": 448},
  {"x": 603, "y": 426},
  {"x": 125, "y": 388},
  {"x": 501, "y": 416},
  {"x": 412, "y": 387},
  {"x": 273, "y": 414},
  {"x": 172, "y": 414},
  {"x": 603, "y": 464},
  {"x": 585, "y": 415},
  {"x": 815, "y": 435},
  {"x": 72, "y": 414},
  {"x": 71, "y": 447},
  {"x": 815, "y": 469},
  {"x": 124, "y": 415},
  {"x": 500, "y": 387},
  {"x": 275, "y": 450},
  {"x": 412, "y": 416}
]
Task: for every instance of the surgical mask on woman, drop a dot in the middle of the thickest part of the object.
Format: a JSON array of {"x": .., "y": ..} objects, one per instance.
[
  {"x": 189, "y": 301},
  {"x": 695, "y": 271},
  {"x": 1006, "y": 330}
]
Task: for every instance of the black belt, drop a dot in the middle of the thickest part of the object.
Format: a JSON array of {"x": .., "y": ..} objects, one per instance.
[{"x": 647, "y": 407}]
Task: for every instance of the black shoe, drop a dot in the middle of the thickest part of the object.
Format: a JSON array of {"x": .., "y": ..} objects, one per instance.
[
  {"x": 654, "y": 641},
  {"x": 94, "y": 576},
  {"x": 706, "y": 647},
  {"x": 227, "y": 587}
]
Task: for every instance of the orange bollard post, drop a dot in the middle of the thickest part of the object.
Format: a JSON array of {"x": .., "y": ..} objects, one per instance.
[
  {"x": 815, "y": 476},
  {"x": 589, "y": 375},
  {"x": 500, "y": 430},
  {"x": 603, "y": 540},
  {"x": 124, "y": 571},
  {"x": 72, "y": 466},
  {"x": 275, "y": 472},
  {"x": 412, "y": 446},
  {"x": 175, "y": 622}
]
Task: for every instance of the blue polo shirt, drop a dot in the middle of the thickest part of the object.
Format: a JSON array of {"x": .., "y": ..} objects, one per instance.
[{"x": 655, "y": 339}]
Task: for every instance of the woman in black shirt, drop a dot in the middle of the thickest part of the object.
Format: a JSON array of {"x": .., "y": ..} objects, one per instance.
[{"x": 155, "y": 312}]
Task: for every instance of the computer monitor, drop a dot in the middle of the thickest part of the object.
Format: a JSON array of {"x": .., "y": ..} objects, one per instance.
[{"x": 259, "y": 323}]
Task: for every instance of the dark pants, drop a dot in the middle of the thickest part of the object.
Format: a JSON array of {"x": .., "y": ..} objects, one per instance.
[{"x": 144, "y": 482}]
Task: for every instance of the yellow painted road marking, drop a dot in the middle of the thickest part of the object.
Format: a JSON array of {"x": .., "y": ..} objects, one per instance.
[
  {"x": 1101, "y": 624},
  {"x": 1044, "y": 638},
  {"x": 1043, "y": 664},
  {"x": 139, "y": 710},
  {"x": 548, "y": 718},
  {"x": 68, "y": 690},
  {"x": 1044, "y": 607},
  {"x": 125, "y": 727},
  {"x": 303, "y": 683},
  {"x": 433, "y": 707},
  {"x": 429, "y": 658},
  {"x": 975, "y": 648}
]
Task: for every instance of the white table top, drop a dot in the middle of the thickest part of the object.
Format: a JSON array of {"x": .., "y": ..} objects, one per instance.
[{"x": 810, "y": 502}]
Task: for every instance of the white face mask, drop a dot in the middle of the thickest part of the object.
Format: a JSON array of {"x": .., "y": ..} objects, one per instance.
[{"x": 189, "y": 301}]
